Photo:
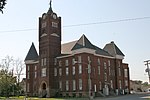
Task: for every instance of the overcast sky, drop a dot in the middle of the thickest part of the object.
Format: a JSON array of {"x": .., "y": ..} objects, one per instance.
[{"x": 126, "y": 22}]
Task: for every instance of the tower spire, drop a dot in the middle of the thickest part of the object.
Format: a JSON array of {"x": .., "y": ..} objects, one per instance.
[{"x": 50, "y": 8}]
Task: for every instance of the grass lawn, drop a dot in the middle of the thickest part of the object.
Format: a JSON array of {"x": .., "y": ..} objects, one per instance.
[{"x": 30, "y": 98}]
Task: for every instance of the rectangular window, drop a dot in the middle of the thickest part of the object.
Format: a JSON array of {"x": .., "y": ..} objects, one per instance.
[
  {"x": 119, "y": 71},
  {"x": 120, "y": 84},
  {"x": 60, "y": 63},
  {"x": 55, "y": 61},
  {"x": 111, "y": 84},
  {"x": 54, "y": 24},
  {"x": 73, "y": 61},
  {"x": 79, "y": 59},
  {"x": 43, "y": 72},
  {"x": 74, "y": 85},
  {"x": 67, "y": 70},
  {"x": 126, "y": 73},
  {"x": 80, "y": 84},
  {"x": 109, "y": 63},
  {"x": 35, "y": 74},
  {"x": 66, "y": 62},
  {"x": 80, "y": 69},
  {"x": 60, "y": 71},
  {"x": 126, "y": 83},
  {"x": 109, "y": 71},
  {"x": 100, "y": 85},
  {"x": 118, "y": 63},
  {"x": 73, "y": 70},
  {"x": 89, "y": 59},
  {"x": 98, "y": 61},
  {"x": 60, "y": 85},
  {"x": 55, "y": 71},
  {"x": 28, "y": 75},
  {"x": 105, "y": 76},
  {"x": 28, "y": 88},
  {"x": 28, "y": 68},
  {"x": 67, "y": 85},
  {"x": 35, "y": 68},
  {"x": 44, "y": 61},
  {"x": 99, "y": 70},
  {"x": 105, "y": 66}
]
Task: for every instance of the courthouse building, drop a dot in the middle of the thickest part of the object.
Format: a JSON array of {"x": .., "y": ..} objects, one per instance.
[{"x": 77, "y": 68}]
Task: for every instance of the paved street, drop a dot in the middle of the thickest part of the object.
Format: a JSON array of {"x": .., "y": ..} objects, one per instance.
[{"x": 141, "y": 96}]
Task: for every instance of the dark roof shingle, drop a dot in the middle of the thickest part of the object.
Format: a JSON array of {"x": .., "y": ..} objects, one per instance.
[{"x": 32, "y": 53}]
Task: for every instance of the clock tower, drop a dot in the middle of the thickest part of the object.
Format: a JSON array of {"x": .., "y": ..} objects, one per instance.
[{"x": 49, "y": 49}]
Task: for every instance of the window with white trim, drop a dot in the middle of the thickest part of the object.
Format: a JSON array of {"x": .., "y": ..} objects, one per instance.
[
  {"x": 28, "y": 75},
  {"x": 28, "y": 87},
  {"x": 35, "y": 67},
  {"x": 98, "y": 61},
  {"x": 80, "y": 84},
  {"x": 73, "y": 61},
  {"x": 105, "y": 76},
  {"x": 100, "y": 85},
  {"x": 67, "y": 85},
  {"x": 35, "y": 74},
  {"x": 73, "y": 70},
  {"x": 74, "y": 85},
  {"x": 55, "y": 71},
  {"x": 67, "y": 62},
  {"x": 105, "y": 66},
  {"x": 109, "y": 63},
  {"x": 126, "y": 73},
  {"x": 119, "y": 71},
  {"x": 43, "y": 74},
  {"x": 111, "y": 84},
  {"x": 79, "y": 59},
  {"x": 80, "y": 69},
  {"x": 60, "y": 63},
  {"x": 120, "y": 84},
  {"x": 99, "y": 70},
  {"x": 60, "y": 85},
  {"x": 126, "y": 82},
  {"x": 28, "y": 67},
  {"x": 44, "y": 61},
  {"x": 60, "y": 71},
  {"x": 109, "y": 69},
  {"x": 67, "y": 71}
]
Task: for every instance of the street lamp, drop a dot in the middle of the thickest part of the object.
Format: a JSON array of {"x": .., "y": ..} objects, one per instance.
[{"x": 89, "y": 75}]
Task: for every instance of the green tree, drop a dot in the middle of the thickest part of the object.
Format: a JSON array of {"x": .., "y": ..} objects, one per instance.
[
  {"x": 8, "y": 80},
  {"x": 2, "y": 4}
]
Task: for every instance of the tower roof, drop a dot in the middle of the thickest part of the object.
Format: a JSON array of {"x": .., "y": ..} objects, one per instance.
[
  {"x": 32, "y": 53},
  {"x": 113, "y": 49}
]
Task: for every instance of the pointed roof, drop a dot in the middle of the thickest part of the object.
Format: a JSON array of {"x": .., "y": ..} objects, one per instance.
[
  {"x": 83, "y": 42},
  {"x": 113, "y": 49},
  {"x": 32, "y": 53}
]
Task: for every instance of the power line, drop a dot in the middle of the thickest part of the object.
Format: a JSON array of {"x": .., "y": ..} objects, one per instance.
[{"x": 85, "y": 24}]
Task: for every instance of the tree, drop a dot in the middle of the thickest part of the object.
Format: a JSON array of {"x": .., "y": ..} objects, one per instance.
[
  {"x": 2, "y": 4},
  {"x": 19, "y": 66},
  {"x": 9, "y": 82}
]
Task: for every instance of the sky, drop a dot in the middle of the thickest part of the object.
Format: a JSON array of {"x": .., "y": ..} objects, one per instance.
[{"x": 126, "y": 22}]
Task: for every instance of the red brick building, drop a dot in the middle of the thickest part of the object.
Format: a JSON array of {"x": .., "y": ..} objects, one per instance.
[{"x": 73, "y": 69}]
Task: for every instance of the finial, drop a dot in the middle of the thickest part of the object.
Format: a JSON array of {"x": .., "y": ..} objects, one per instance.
[
  {"x": 50, "y": 9},
  {"x": 50, "y": 5}
]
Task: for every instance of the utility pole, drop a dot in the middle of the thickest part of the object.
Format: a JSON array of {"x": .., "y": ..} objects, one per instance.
[{"x": 147, "y": 62}]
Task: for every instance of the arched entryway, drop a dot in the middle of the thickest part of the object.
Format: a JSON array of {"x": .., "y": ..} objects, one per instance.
[{"x": 44, "y": 89}]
